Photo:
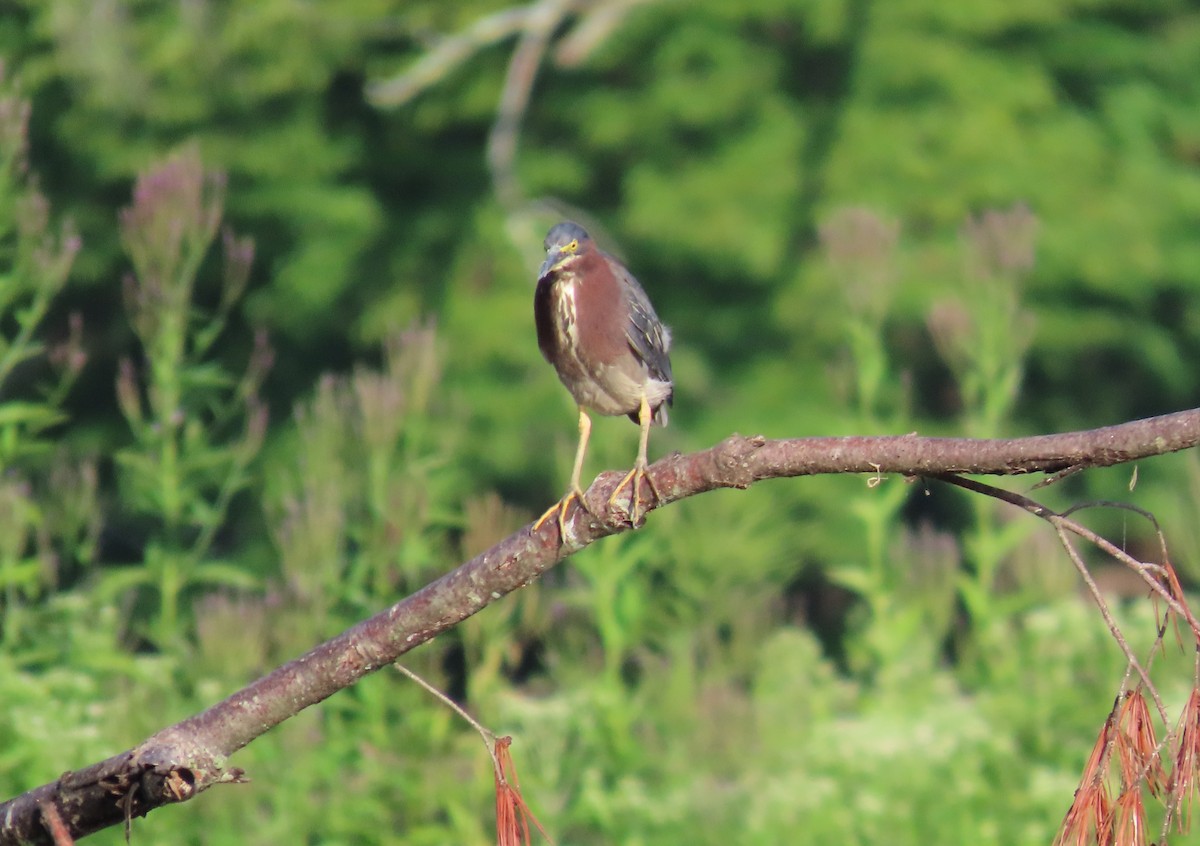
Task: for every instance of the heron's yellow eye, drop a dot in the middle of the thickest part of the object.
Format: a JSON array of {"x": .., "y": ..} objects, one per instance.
[{"x": 571, "y": 247}]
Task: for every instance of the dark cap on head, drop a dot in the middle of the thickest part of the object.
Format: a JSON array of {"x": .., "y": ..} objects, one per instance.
[{"x": 564, "y": 233}]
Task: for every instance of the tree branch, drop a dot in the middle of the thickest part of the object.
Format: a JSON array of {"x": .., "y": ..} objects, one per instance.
[
  {"x": 184, "y": 759},
  {"x": 448, "y": 54}
]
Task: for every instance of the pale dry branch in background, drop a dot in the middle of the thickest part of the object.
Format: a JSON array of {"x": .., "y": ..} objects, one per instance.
[
  {"x": 595, "y": 21},
  {"x": 543, "y": 20},
  {"x": 446, "y": 56},
  {"x": 534, "y": 26}
]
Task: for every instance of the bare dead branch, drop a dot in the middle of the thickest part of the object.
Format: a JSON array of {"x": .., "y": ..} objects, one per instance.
[
  {"x": 187, "y": 758},
  {"x": 541, "y": 21},
  {"x": 595, "y": 26},
  {"x": 536, "y": 24},
  {"x": 448, "y": 54}
]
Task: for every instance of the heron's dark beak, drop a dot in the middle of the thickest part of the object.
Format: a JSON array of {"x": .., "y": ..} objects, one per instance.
[{"x": 552, "y": 260}]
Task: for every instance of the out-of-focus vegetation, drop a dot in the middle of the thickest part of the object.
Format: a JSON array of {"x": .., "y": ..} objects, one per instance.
[{"x": 974, "y": 218}]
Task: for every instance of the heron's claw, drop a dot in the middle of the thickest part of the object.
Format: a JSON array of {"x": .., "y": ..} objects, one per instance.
[
  {"x": 560, "y": 508},
  {"x": 634, "y": 480}
]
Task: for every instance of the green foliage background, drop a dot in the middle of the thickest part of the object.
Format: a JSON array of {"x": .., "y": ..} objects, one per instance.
[{"x": 833, "y": 204}]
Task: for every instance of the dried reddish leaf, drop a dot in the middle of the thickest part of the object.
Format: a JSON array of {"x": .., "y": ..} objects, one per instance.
[
  {"x": 1131, "y": 819},
  {"x": 512, "y": 814},
  {"x": 1187, "y": 759},
  {"x": 1138, "y": 746},
  {"x": 1175, "y": 590},
  {"x": 1089, "y": 819}
]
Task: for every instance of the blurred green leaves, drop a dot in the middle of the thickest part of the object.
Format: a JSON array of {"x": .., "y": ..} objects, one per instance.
[
  {"x": 184, "y": 465},
  {"x": 831, "y": 204}
]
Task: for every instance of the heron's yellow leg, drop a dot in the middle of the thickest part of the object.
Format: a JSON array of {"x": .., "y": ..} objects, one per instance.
[
  {"x": 635, "y": 476},
  {"x": 574, "y": 491}
]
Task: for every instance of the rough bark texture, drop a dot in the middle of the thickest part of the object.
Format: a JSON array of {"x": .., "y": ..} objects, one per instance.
[{"x": 189, "y": 757}]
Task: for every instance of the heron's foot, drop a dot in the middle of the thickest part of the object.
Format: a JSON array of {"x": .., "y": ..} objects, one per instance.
[
  {"x": 561, "y": 508},
  {"x": 634, "y": 479}
]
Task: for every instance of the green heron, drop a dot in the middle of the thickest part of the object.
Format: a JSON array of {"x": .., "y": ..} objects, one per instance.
[{"x": 596, "y": 326}]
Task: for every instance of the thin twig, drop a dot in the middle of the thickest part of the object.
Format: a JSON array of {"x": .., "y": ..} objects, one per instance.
[
  {"x": 1055, "y": 478},
  {"x": 1142, "y": 568},
  {"x": 1125, "y": 506},
  {"x": 488, "y": 737},
  {"x": 1113, "y": 628}
]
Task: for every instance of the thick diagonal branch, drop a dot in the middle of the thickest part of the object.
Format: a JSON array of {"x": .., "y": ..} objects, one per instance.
[{"x": 184, "y": 759}]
